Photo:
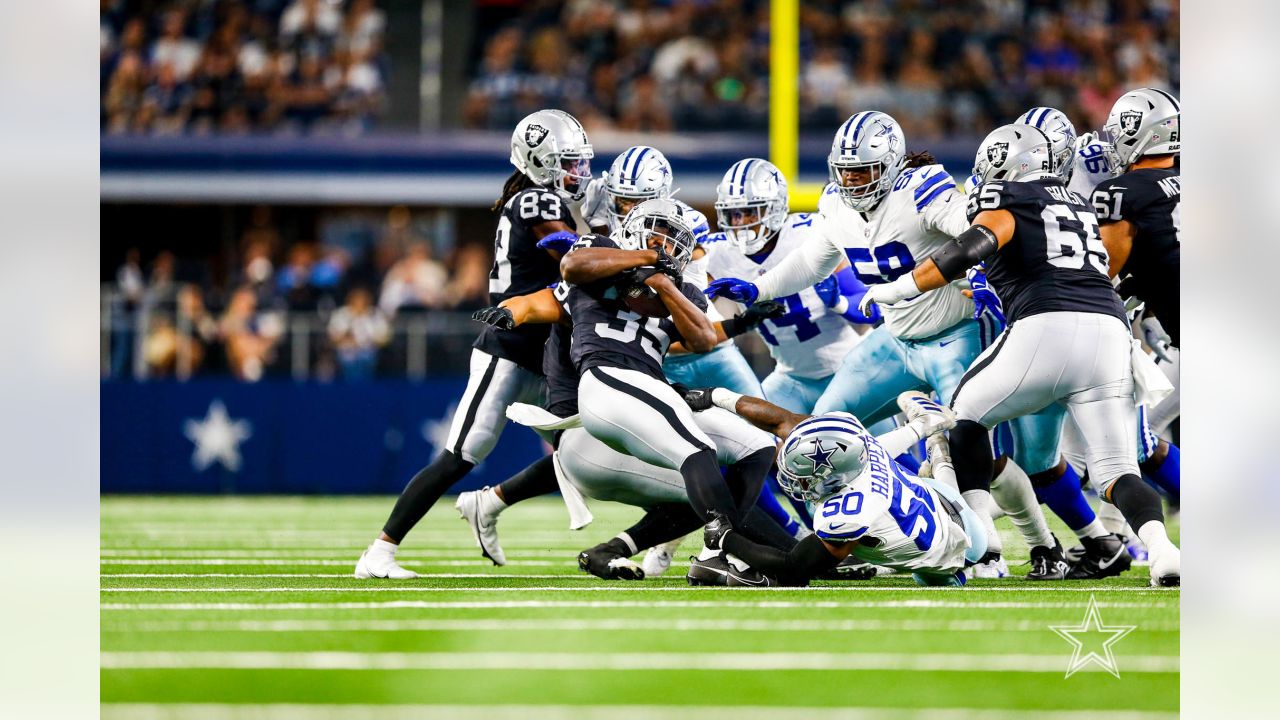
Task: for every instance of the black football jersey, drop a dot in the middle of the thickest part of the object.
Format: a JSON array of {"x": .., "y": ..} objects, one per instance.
[
  {"x": 1056, "y": 261},
  {"x": 557, "y": 365},
  {"x": 520, "y": 267},
  {"x": 1148, "y": 198},
  {"x": 606, "y": 332}
]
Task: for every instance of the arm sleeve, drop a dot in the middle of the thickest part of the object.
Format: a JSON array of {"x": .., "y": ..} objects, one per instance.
[
  {"x": 807, "y": 560},
  {"x": 814, "y": 261},
  {"x": 852, "y": 290},
  {"x": 899, "y": 440}
]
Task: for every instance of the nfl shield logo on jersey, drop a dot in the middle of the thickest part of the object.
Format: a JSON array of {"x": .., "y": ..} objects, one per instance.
[
  {"x": 1129, "y": 121},
  {"x": 997, "y": 153},
  {"x": 535, "y": 134}
]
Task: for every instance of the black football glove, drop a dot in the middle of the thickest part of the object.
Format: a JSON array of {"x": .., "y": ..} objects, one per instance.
[
  {"x": 668, "y": 266},
  {"x": 713, "y": 534},
  {"x": 698, "y": 399},
  {"x": 756, "y": 314},
  {"x": 498, "y": 317}
]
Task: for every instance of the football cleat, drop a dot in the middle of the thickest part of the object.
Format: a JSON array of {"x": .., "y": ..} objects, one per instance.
[
  {"x": 484, "y": 523},
  {"x": 658, "y": 559},
  {"x": 1165, "y": 566},
  {"x": 376, "y": 563},
  {"x": 607, "y": 562},
  {"x": 1047, "y": 563},
  {"x": 1102, "y": 557},
  {"x": 918, "y": 406},
  {"x": 726, "y": 571},
  {"x": 990, "y": 567},
  {"x": 850, "y": 568}
]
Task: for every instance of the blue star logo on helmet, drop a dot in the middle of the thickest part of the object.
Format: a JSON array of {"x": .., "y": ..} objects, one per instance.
[
  {"x": 821, "y": 458},
  {"x": 1129, "y": 121},
  {"x": 535, "y": 134}
]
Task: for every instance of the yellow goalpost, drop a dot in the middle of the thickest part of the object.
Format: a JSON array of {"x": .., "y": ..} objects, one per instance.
[{"x": 784, "y": 101}]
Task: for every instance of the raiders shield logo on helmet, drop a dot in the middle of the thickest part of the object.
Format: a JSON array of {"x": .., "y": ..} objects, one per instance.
[
  {"x": 997, "y": 152},
  {"x": 535, "y": 134},
  {"x": 1129, "y": 121}
]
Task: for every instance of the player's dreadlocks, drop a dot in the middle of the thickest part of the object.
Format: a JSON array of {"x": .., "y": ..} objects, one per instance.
[
  {"x": 514, "y": 184},
  {"x": 919, "y": 159}
]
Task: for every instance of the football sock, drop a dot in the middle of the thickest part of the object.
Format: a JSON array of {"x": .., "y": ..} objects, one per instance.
[
  {"x": 980, "y": 501},
  {"x": 663, "y": 523},
  {"x": 423, "y": 491},
  {"x": 1140, "y": 504},
  {"x": 1113, "y": 520},
  {"x": 1063, "y": 496},
  {"x": 537, "y": 479},
  {"x": 761, "y": 528},
  {"x": 746, "y": 479},
  {"x": 1168, "y": 474},
  {"x": 708, "y": 491},
  {"x": 971, "y": 457},
  {"x": 1012, "y": 491}
]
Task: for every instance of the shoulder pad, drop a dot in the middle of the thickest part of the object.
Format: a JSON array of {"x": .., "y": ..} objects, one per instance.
[{"x": 926, "y": 184}]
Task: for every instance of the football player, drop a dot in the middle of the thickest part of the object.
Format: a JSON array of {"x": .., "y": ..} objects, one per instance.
[
  {"x": 866, "y": 504},
  {"x": 1067, "y": 348},
  {"x": 885, "y": 213},
  {"x": 552, "y": 157}
]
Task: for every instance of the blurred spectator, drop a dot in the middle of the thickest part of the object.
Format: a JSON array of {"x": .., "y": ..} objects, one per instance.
[
  {"x": 357, "y": 330},
  {"x": 250, "y": 338},
  {"x": 416, "y": 282}
]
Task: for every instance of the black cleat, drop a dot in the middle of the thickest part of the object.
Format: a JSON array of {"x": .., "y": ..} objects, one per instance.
[
  {"x": 609, "y": 562},
  {"x": 1104, "y": 557},
  {"x": 1047, "y": 563},
  {"x": 718, "y": 570},
  {"x": 850, "y": 569}
]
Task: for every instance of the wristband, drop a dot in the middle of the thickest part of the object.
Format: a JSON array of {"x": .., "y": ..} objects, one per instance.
[
  {"x": 723, "y": 398},
  {"x": 842, "y": 306}
]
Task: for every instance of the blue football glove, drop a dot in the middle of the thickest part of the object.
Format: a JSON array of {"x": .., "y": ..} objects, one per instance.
[
  {"x": 558, "y": 241},
  {"x": 829, "y": 291},
  {"x": 734, "y": 289},
  {"x": 985, "y": 299}
]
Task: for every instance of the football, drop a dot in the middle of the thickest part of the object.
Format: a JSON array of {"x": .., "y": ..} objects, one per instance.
[{"x": 642, "y": 299}]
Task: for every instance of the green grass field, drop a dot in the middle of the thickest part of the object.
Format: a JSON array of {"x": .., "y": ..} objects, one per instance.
[{"x": 246, "y": 608}]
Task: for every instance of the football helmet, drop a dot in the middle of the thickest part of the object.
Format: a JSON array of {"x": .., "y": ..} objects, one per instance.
[
  {"x": 821, "y": 455},
  {"x": 1143, "y": 122},
  {"x": 1016, "y": 153},
  {"x": 659, "y": 221},
  {"x": 551, "y": 149},
  {"x": 751, "y": 204},
  {"x": 1058, "y": 127},
  {"x": 639, "y": 173},
  {"x": 873, "y": 141}
]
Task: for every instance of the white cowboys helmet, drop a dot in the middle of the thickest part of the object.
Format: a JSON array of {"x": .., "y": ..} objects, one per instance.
[
  {"x": 1143, "y": 122},
  {"x": 1016, "y": 153},
  {"x": 639, "y": 173},
  {"x": 822, "y": 455},
  {"x": 751, "y": 204},
  {"x": 551, "y": 149},
  {"x": 1058, "y": 127},
  {"x": 659, "y": 221},
  {"x": 870, "y": 140}
]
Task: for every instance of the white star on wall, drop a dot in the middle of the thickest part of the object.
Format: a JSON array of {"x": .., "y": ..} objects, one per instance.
[
  {"x": 217, "y": 438},
  {"x": 1092, "y": 631},
  {"x": 436, "y": 432}
]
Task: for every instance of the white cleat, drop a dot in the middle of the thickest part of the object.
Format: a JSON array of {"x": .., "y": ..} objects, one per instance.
[
  {"x": 993, "y": 569},
  {"x": 1165, "y": 566},
  {"x": 379, "y": 563},
  {"x": 658, "y": 559},
  {"x": 484, "y": 523},
  {"x": 936, "y": 417}
]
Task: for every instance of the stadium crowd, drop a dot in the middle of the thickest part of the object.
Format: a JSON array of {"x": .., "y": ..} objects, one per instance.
[
  {"x": 942, "y": 67},
  {"x": 241, "y": 66},
  {"x": 169, "y": 316}
]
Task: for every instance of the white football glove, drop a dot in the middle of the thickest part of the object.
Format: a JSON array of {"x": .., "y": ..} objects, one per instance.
[
  {"x": 889, "y": 293},
  {"x": 595, "y": 203},
  {"x": 1156, "y": 338}
]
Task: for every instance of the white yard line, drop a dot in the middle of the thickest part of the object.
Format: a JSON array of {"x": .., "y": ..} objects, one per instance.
[
  {"x": 345, "y": 575},
  {"x": 745, "y": 661},
  {"x": 630, "y": 588},
  {"x": 114, "y": 711},
  {"x": 509, "y": 604},
  {"x": 349, "y": 563},
  {"x": 595, "y": 625}
]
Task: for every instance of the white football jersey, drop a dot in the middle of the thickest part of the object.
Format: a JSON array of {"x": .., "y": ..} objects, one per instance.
[
  {"x": 809, "y": 341},
  {"x": 897, "y": 519},
  {"x": 922, "y": 212},
  {"x": 1091, "y": 166}
]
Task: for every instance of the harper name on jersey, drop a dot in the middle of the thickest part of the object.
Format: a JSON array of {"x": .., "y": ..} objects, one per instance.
[
  {"x": 809, "y": 341},
  {"x": 1056, "y": 261},
  {"x": 606, "y": 332},
  {"x": 897, "y": 519},
  {"x": 923, "y": 211},
  {"x": 520, "y": 267}
]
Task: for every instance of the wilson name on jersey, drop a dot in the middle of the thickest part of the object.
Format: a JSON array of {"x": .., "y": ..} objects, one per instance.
[
  {"x": 606, "y": 332},
  {"x": 897, "y": 520},
  {"x": 922, "y": 212},
  {"x": 808, "y": 341},
  {"x": 1150, "y": 199},
  {"x": 1056, "y": 261},
  {"x": 520, "y": 267}
]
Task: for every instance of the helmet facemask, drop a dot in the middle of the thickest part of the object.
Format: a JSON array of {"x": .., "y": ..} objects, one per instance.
[
  {"x": 863, "y": 195},
  {"x": 745, "y": 224},
  {"x": 573, "y": 174},
  {"x": 654, "y": 230}
]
